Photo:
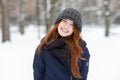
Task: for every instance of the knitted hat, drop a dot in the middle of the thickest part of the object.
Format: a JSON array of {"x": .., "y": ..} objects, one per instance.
[{"x": 73, "y": 15}]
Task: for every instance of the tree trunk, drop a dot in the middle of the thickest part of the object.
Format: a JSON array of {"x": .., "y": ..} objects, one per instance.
[
  {"x": 38, "y": 12},
  {"x": 22, "y": 16},
  {"x": 107, "y": 17},
  {"x": 4, "y": 22},
  {"x": 53, "y": 11},
  {"x": 38, "y": 16},
  {"x": 50, "y": 15},
  {"x": 47, "y": 16},
  {"x": 107, "y": 27}
]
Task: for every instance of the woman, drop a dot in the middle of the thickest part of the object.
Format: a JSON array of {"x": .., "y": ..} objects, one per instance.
[{"x": 62, "y": 54}]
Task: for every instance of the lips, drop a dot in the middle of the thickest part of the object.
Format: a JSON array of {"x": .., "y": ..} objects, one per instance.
[{"x": 64, "y": 30}]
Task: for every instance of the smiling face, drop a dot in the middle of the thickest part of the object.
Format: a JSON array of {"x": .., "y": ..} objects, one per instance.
[{"x": 65, "y": 27}]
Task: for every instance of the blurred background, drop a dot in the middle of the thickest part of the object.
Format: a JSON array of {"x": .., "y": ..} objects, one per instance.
[
  {"x": 44, "y": 12},
  {"x": 24, "y": 22}
]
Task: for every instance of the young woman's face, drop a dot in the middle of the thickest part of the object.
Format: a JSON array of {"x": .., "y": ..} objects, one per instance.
[{"x": 65, "y": 27}]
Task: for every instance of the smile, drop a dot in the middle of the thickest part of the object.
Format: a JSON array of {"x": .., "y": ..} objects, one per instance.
[{"x": 64, "y": 30}]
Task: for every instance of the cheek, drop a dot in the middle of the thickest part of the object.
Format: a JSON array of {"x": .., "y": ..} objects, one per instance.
[
  {"x": 58, "y": 28},
  {"x": 71, "y": 31}
]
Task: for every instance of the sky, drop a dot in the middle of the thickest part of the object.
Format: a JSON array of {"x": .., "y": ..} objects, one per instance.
[{"x": 16, "y": 56}]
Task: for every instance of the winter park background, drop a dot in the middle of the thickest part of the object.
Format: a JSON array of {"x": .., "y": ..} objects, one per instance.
[
  {"x": 16, "y": 57},
  {"x": 21, "y": 22}
]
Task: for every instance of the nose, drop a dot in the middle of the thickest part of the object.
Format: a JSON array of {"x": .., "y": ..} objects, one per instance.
[{"x": 67, "y": 25}]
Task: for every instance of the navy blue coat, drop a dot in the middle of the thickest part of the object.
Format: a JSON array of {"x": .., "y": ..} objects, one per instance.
[{"x": 47, "y": 67}]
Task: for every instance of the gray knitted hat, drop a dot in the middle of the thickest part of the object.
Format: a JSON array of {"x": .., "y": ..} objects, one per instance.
[{"x": 73, "y": 15}]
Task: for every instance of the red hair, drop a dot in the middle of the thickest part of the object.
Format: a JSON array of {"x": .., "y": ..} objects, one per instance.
[{"x": 73, "y": 43}]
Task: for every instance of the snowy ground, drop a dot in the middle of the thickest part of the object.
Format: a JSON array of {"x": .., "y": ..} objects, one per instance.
[{"x": 16, "y": 57}]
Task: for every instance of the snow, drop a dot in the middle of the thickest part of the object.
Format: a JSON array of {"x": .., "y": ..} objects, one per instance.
[
  {"x": 16, "y": 57},
  {"x": 104, "y": 51}
]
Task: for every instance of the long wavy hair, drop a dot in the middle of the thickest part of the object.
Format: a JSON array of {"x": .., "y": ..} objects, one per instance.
[{"x": 72, "y": 42}]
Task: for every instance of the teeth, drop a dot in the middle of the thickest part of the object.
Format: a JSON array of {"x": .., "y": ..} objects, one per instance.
[{"x": 64, "y": 30}]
